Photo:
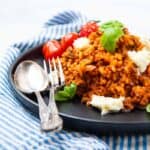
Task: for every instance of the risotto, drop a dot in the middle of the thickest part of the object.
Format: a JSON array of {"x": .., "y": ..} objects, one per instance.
[{"x": 96, "y": 71}]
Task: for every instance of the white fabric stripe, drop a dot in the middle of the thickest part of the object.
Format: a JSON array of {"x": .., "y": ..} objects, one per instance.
[
  {"x": 6, "y": 141},
  {"x": 25, "y": 117},
  {"x": 19, "y": 125},
  {"x": 5, "y": 91},
  {"x": 118, "y": 145},
  {"x": 12, "y": 101},
  {"x": 30, "y": 43},
  {"x": 48, "y": 34},
  {"x": 5, "y": 67},
  {"x": 42, "y": 37},
  {"x": 125, "y": 143},
  {"x": 148, "y": 141},
  {"x": 14, "y": 128},
  {"x": 111, "y": 142},
  {"x": 24, "y": 121},
  {"x": 41, "y": 145},
  {"x": 10, "y": 104},
  {"x": 7, "y": 61},
  {"x": 144, "y": 140},
  {"x": 57, "y": 33},
  {"x": 2, "y": 89},
  {"x": 10, "y": 134},
  {"x": 66, "y": 135},
  {"x": 52, "y": 141},
  {"x": 14, "y": 119},
  {"x": 140, "y": 142},
  {"x": 133, "y": 141},
  {"x": 61, "y": 136},
  {"x": 23, "y": 46},
  {"x": 61, "y": 143},
  {"x": 53, "y": 33}
]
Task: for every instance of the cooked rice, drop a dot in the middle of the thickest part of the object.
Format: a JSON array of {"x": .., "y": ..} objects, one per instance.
[{"x": 96, "y": 71}]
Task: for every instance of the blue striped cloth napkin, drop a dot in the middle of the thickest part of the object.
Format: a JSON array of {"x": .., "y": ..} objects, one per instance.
[{"x": 20, "y": 130}]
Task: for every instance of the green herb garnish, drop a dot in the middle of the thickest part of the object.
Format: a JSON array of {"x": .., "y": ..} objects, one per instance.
[
  {"x": 111, "y": 24},
  {"x": 67, "y": 93},
  {"x": 148, "y": 108},
  {"x": 112, "y": 31}
]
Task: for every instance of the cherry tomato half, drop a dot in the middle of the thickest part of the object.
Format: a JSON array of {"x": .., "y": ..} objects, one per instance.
[
  {"x": 88, "y": 28},
  {"x": 52, "y": 49},
  {"x": 68, "y": 39}
]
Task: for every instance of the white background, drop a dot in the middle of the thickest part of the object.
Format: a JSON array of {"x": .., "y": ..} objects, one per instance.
[{"x": 21, "y": 19}]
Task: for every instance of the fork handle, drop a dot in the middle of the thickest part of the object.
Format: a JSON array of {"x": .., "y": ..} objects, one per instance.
[
  {"x": 42, "y": 107},
  {"x": 50, "y": 119},
  {"x": 52, "y": 104},
  {"x": 53, "y": 114}
]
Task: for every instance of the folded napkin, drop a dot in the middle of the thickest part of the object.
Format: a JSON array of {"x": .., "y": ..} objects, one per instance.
[{"x": 20, "y": 130}]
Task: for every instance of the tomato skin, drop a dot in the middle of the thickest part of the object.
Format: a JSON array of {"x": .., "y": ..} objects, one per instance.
[
  {"x": 88, "y": 28},
  {"x": 68, "y": 39},
  {"x": 52, "y": 49}
]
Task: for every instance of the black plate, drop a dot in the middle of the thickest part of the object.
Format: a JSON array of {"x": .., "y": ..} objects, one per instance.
[{"x": 79, "y": 117}]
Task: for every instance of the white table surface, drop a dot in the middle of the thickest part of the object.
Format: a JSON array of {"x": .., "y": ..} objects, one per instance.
[{"x": 21, "y": 19}]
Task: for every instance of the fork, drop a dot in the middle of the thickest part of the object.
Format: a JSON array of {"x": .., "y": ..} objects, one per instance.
[{"x": 56, "y": 77}]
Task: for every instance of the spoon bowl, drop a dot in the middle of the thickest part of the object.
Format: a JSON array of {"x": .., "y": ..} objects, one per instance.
[{"x": 29, "y": 77}]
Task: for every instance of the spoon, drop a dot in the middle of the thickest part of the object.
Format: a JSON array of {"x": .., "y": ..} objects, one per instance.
[{"x": 29, "y": 77}]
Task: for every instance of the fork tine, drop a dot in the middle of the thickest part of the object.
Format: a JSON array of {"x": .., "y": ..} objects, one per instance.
[
  {"x": 55, "y": 74},
  {"x": 45, "y": 67},
  {"x": 54, "y": 64},
  {"x": 49, "y": 64},
  {"x": 50, "y": 73},
  {"x": 61, "y": 74}
]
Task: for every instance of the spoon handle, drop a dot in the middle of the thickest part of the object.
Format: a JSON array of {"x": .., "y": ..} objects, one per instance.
[
  {"x": 54, "y": 118},
  {"x": 50, "y": 119},
  {"x": 42, "y": 107}
]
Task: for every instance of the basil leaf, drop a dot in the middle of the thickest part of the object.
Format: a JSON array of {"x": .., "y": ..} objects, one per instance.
[
  {"x": 73, "y": 88},
  {"x": 112, "y": 31},
  {"x": 67, "y": 89},
  {"x": 61, "y": 96},
  {"x": 111, "y": 24},
  {"x": 67, "y": 93},
  {"x": 110, "y": 38}
]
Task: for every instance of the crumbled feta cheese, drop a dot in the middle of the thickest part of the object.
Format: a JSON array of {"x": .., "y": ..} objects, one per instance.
[
  {"x": 140, "y": 58},
  {"x": 81, "y": 43},
  {"x": 107, "y": 104}
]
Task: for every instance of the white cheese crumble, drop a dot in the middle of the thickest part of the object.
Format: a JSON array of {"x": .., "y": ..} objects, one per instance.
[
  {"x": 140, "y": 58},
  {"x": 107, "y": 104},
  {"x": 81, "y": 43}
]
